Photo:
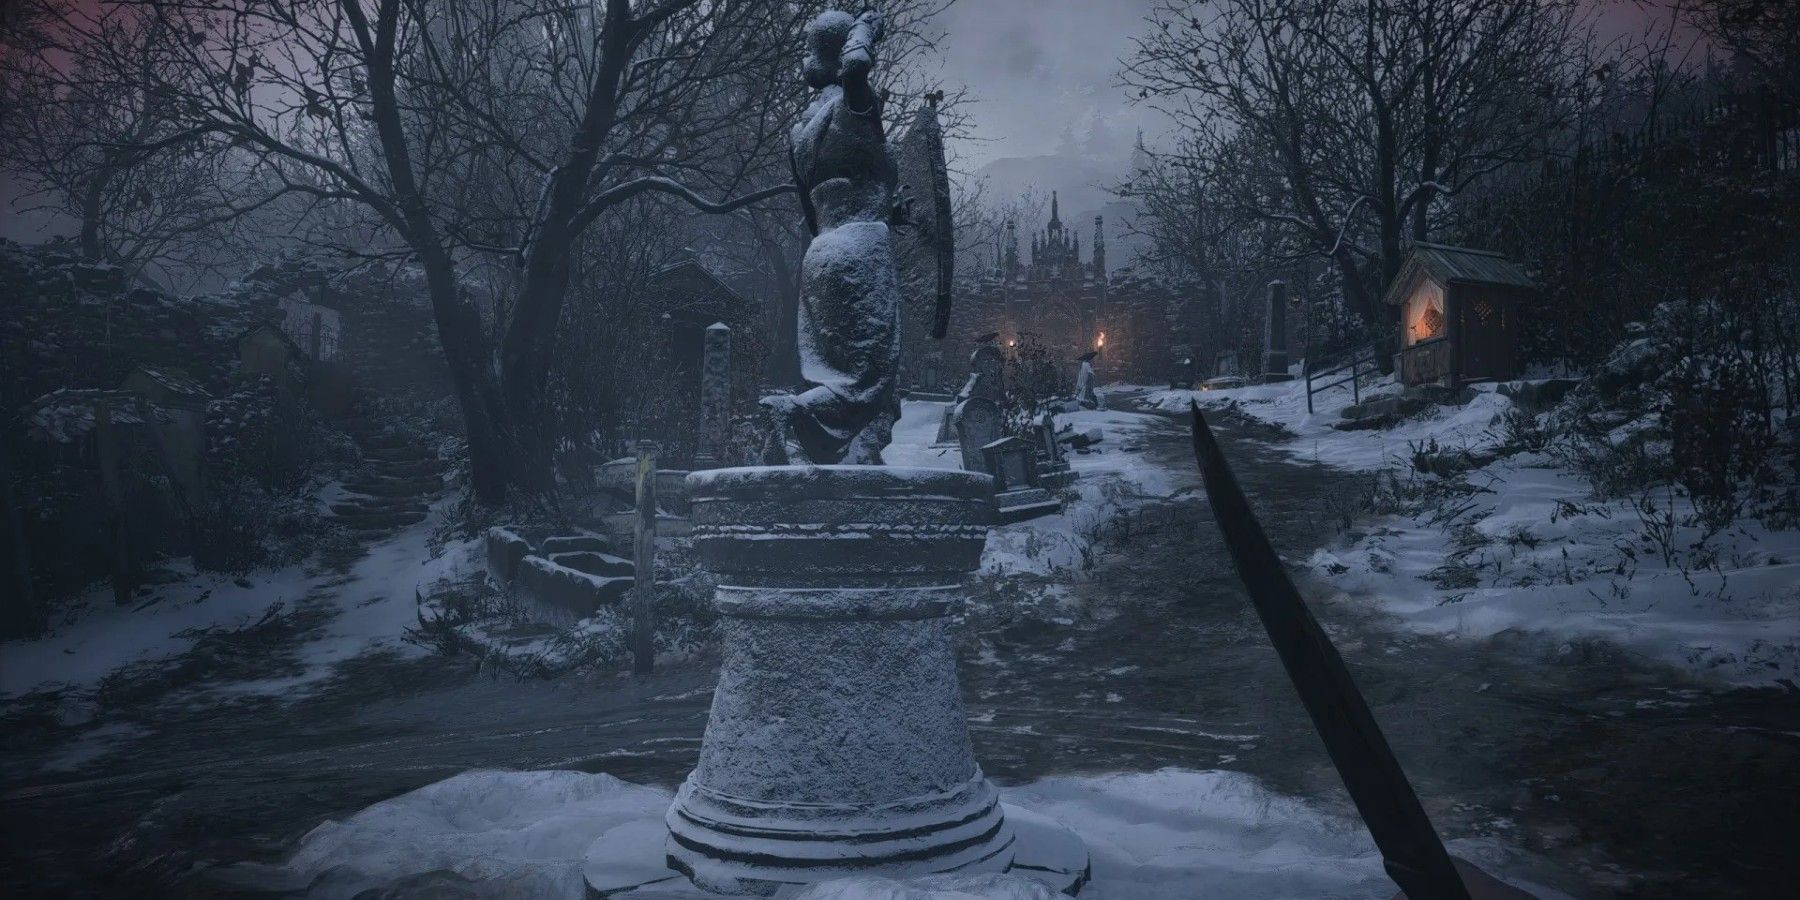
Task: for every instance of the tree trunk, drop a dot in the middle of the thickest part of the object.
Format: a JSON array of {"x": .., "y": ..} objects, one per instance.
[
  {"x": 91, "y": 247},
  {"x": 485, "y": 422}
]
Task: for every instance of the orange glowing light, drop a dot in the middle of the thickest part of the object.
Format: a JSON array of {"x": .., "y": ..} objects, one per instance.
[{"x": 1100, "y": 341}]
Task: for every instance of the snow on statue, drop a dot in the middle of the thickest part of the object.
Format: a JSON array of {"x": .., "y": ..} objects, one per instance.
[{"x": 849, "y": 337}]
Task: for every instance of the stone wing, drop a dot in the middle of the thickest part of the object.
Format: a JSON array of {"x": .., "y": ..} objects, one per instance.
[{"x": 924, "y": 253}]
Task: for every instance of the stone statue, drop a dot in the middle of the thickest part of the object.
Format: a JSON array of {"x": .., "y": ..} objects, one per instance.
[
  {"x": 849, "y": 339},
  {"x": 838, "y": 743}
]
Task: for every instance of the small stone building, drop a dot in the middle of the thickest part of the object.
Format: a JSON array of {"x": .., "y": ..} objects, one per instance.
[
  {"x": 267, "y": 350},
  {"x": 182, "y": 441},
  {"x": 1459, "y": 314},
  {"x": 692, "y": 298}
]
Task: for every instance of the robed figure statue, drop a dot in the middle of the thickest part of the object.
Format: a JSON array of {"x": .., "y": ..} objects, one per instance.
[{"x": 849, "y": 316}]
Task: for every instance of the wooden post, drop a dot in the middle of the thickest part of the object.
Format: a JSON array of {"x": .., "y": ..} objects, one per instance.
[{"x": 643, "y": 597}]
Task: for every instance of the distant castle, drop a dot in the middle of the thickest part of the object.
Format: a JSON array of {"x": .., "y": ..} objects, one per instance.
[{"x": 1067, "y": 304}]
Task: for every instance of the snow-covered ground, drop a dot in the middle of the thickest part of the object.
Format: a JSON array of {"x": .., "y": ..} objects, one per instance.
[
  {"x": 1534, "y": 551},
  {"x": 369, "y": 610},
  {"x": 1172, "y": 834},
  {"x": 1113, "y": 474}
]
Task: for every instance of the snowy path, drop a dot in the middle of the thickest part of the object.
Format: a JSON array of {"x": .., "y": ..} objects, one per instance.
[{"x": 1147, "y": 660}]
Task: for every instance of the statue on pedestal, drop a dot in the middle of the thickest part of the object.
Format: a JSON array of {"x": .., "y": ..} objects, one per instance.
[
  {"x": 838, "y": 744},
  {"x": 850, "y": 296}
]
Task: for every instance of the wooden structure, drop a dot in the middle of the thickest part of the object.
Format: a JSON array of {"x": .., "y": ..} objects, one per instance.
[
  {"x": 267, "y": 350},
  {"x": 693, "y": 299},
  {"x": 1459, "y": 311},
  {"x": 1345, "y": 370}
]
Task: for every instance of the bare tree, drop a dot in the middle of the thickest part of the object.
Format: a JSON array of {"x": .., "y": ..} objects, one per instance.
[
  {"x": 72, "y": 129},
  {"x": 1763, "y": 34},
  {"x": 1349, "y": 124},
  {"x": 464, "y": 130}
]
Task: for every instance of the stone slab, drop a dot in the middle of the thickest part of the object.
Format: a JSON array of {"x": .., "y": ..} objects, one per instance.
[
  {"x": 1024, "y": 504},
  {"x": 561, "y": 594},
  {"x": 576, "y": 543},
  {"x": 505, "y": 550}
]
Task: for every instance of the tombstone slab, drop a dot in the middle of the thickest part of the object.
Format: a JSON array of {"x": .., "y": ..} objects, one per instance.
[{"x": 978, "y": 423}]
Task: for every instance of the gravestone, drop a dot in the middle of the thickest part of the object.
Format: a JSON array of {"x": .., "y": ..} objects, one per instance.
[
  {"x": 1052, "y": 466},
  {"x": 989, "y": 368},
  {"x": 1048, "y": 449},
  {"x": 977, "y": 425},
  {"x": 1018, "y": 495},
  {"x": 1275, "y": 355},
  {"x": 715, "y": 397},
  {"x": 1012, "y": 462}
]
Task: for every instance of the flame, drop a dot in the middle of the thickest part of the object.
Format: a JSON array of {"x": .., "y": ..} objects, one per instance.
[{"x": 1100, "y": 341}]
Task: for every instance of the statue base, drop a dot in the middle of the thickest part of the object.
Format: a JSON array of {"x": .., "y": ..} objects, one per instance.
[{"x": 837, "y": 743}]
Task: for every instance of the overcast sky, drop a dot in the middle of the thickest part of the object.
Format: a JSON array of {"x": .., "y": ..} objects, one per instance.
[{"x": 1045, "y": 72}]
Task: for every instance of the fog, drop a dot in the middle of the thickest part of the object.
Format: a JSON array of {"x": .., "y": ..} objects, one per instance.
[{"x": 1048, "y": 115}]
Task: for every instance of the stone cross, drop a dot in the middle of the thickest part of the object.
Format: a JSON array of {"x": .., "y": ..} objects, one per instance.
[
  {"x": 977, "y": 425},
  {"x": 715, "y": 397},
  {"x": 1275, "y": 355}
]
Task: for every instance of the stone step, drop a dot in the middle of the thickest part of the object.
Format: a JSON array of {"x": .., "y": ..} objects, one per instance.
[
  {"x": 399, "y": 454},
  {"x": 394, "y": 487},
  {"x": 379, "y": 505},
  {"x": 421, "y": 469},
  {"x": 576, "y": 543},
  {"x": 603, "y": 564},
  {"x": 379, "y": 519},
  {"x": 377, "y": 439}
]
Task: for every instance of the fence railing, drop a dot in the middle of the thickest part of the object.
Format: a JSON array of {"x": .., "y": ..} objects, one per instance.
[
  {"x": 1346, "y": 369},
  {"x": 1425, "y": 361}
]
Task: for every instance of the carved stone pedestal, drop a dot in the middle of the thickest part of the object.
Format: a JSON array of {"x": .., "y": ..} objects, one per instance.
[{"x": 837, "y": 743}]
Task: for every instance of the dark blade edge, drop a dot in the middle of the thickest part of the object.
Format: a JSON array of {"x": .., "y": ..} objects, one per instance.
[{"x": 1410, "y": 849}]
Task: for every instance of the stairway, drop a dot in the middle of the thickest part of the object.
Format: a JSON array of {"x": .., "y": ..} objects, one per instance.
[{"x": 397, "y": 483}]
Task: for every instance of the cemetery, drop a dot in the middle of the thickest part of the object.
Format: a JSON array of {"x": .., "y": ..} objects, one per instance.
[{"x": 654, "y": 450}]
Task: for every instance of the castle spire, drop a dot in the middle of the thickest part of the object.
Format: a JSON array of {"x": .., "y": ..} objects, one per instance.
[{"x": 1055, "y": 220}]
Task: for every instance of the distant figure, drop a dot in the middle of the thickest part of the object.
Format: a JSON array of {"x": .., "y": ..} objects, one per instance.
[{"x": 1084, "y": 383}]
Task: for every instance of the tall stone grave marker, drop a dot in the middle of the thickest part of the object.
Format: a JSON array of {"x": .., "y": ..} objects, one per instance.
[
  {"x": 715, "y": 397},
  {"x": 989, "y": 368},
  {"x": 987, "y": 378}
]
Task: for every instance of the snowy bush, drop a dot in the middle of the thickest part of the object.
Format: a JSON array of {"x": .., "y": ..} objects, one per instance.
[{"x": 1032, "y": 375}]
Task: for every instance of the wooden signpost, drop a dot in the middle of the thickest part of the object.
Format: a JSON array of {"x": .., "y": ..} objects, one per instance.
[{"x": 643, "y": 595}]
